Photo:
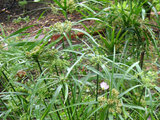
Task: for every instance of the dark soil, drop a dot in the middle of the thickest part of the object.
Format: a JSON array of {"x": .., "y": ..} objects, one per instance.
[{"x": 34, "y": 11}]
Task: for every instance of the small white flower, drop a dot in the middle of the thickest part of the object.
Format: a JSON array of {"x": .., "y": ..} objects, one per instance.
[
  {"x": 104, "y": 85},
  {"x": 129, "y": 58},
  {"x": 5, "y": 44},
  {"x": 53, "y": 47},
  {"x": 49, "y": 40},
  {"x": 36, "y": 0}
]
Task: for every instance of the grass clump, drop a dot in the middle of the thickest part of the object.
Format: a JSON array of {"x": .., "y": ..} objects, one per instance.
[{"x": 99, "y": 77}]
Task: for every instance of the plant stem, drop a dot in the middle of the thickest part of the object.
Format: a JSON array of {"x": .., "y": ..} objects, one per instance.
[
  {"x": 10, "y": 85},
  {"x": 56, "y": 70},
  {"x": 74, "y": 99},
  {"x": 138, "y": 102},
  {"x": 142, "y": 59},
  {"x": 57, "y": 112},
  {"x": 97, "y": 91},
  {"x": 8, "y": 81},
  {"x": 3, "y": 103},
  {"x": 67, "y": 101},
  {"x": 36, "y": 59},
  {"x": 111, "y": 81},
  {"x": 141, "y": 95},
  {"x": 13, "y": 90},
  {"x": 64, "y": 96}
]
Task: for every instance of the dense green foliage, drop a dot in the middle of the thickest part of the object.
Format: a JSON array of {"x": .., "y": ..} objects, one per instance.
[{"x": 102, "y": 77}]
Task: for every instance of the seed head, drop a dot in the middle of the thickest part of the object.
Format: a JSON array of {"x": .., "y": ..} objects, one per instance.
[
  {"x": 63, "y": 27},
  {"x": 115, "y": 93}
]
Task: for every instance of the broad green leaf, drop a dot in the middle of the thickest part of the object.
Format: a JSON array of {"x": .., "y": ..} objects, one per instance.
[
  {"x": 21, "y": 43},
  {"x": 77, "y": 104},
  {"x": 85, "y": 6},
  {"x": 96, "y": 19},
  {"x": 70, "y": 69},
  {"x": 66, "y": 91},
  {"x": 157, "y": 88},
  {"x": 68, "y": 40},
  {"x": 97, "y": 109},
  {"x": 95, "y": 71},
  {"x": 52, "y": 101},
  {"x": 130, "y": 68},
  {"x": 87, "y": 35},
  {"x": 19, "y": 31},
  {"x": 110, "y": 116},
  {"x": 125, "y": 92},
  {"x": 134, "y": 107}
]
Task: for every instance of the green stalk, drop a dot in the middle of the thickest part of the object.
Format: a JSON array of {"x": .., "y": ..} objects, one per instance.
[
  {"x": 111, "y": 82},
  {"x": 3, "y": 103},
  {"x": 68, "y": 110},
  {"x": 142, "y": 59},
  {"x": 116, "y": 2},
  {"x": 97, "y": 91},
  {"x": 141, "y": 95},
  {"x": 65, "y": 14},
  {"x": 2, "y": 84},
  {"x": 57, "y": 112},
  {"x": 65, "y": 9},
  {"x": 36, "y": 59},
  {"x": 63, "y": 43},
  {"x": 138, "y": 101},
  {"x": 130, "y": 6},
  {"x": 67, "y": 101},
  {"x": 10, "y": 85},
  {"x": 14, "y": 91},
  {"x": 56, "y": 70},
  {"x": 47, "y": 106},
  {"x": 142, "y": 54},
  {"x": 74, "y": 97},
  {"x": 75, "y": 56}
]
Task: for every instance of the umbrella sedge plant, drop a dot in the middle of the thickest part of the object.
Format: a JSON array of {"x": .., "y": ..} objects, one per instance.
[{"x": 100, "y": 77}]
